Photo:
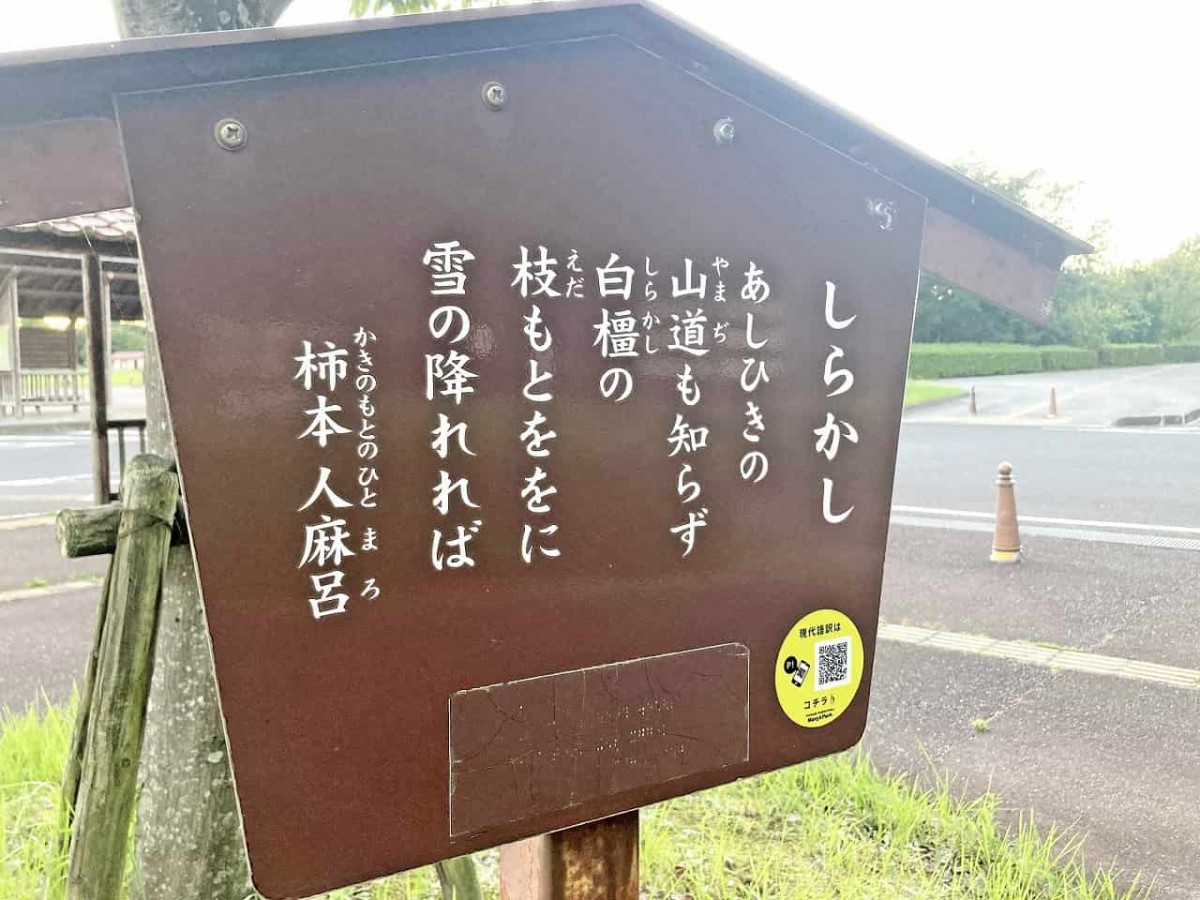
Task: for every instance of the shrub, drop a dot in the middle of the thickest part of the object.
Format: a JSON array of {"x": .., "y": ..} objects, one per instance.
[
  {"x": 1058, "y": 357},
  {"x": 957, "y": 360},
  {"x": 1181, "y": 353},
  {"x": 1131, "y": 354}
]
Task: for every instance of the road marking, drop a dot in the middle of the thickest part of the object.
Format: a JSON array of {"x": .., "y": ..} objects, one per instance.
[
  {"x": 24, "y": 520},
  {"x": 1044, "y": 405},
  {"x": 47, "y": 591},
  {"x": 43, "y": 482},
  {"x": 1047, "y": 657},
  {"x": 1048, "y": 520},
  {"x": 1160, "y": 542}
]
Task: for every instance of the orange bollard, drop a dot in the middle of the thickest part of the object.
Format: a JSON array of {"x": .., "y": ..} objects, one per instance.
[
  {"x": 1053, "y": 414},
  {"x": 974, "y": 408},
  {"x": 1006, "y": 541}
]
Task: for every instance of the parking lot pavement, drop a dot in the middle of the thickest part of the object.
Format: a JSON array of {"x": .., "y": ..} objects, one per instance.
[
  {"x": 1114, "y": 760},
  {"x": 1112, "y": 757},
  {"x": 44, "y": 644},
  {"x": 1087, "y": 398},
  {"x": 30, "y": 558},
  {"x": 1133, "y": 601}
]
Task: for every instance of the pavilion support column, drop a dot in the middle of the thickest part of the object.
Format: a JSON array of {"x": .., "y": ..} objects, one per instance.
[
  {"x": 106, "y": 305},
  {"x": 73, "y": 341},
  {"x": 13, "y": 300},
  {"x": 189, "y": 833},
  {"x": 93, "y": 306}
]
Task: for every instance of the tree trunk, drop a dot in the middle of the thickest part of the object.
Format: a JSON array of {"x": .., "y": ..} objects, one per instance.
[
  {"x": 145, "y": 18},
  {"x": 189, "y": 834}
]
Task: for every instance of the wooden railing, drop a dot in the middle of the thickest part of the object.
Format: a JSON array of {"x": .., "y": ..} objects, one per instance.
[
  {"x": 120, "y": 426},
  {"x": 52, "y": 387}
]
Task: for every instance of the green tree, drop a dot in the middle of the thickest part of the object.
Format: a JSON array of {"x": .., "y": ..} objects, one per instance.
[
  {"x": 1085, "y": 309},
  {"x": 359, "y": 8}
]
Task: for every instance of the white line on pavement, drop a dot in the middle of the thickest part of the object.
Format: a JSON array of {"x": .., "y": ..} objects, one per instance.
[
  {"x": 1093, "y": 535},
  {"x": 1048, "y": 520},
  {"x": 43, "y": 482},
  {"x": 48, "y": 590},
  {"x": 24, "y": 520},
  {"x": 1038, "y": 655}
]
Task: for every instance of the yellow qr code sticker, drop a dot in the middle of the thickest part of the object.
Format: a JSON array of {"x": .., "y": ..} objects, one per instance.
[{"x": 819, "y": 668}]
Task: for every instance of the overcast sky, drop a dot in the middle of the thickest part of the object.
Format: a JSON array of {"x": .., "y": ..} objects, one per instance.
[{"x": 1091, "y": 91}]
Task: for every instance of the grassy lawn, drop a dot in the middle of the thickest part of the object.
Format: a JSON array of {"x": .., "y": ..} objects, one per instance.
[
  {"x": 832, "y": 828},
  {"x": 918, "y": 392},
  {"x": 119, "y": 377}
]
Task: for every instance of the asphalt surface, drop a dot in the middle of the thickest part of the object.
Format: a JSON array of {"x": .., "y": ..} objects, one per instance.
[
  {"x": 1116, "y": 759},
  {"x": 1138, "y": 475},
  {"x": 1090, "y": 397},
  {"x": 46, "y": 458}
]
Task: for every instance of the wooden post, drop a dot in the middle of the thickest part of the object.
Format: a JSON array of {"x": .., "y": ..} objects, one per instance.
[
  {"x": 458, "y": 879},
  {"x": 97, "y": 340},
  {"x": 116, "y": 716},
  {"x": 596, "y": 861},
  {"x": 73, "y": 340},
  {"x": 14, "y": 301},
  {"x": 73, "y": 770},
  {"x": 106, "y": 306}
]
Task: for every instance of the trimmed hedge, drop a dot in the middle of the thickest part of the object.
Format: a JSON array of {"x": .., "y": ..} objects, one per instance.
[
  {"x": 962, "y": 360},
  {"x": 1182, "y": 353},
  {"x": 1131, "y": 354},
  {"x": 953, "y": 360},
  {"x": 1057, "y": 358}
]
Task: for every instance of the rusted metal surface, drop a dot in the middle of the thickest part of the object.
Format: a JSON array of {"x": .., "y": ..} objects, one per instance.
[
  {"x": 59, "y": 168},
  {"x": 555, "y": 742},
  {"x": 338, "y": 727},
  {"x": 594, "y": 861},
  {"x": 971, "y": 259},
  {"x": 78, "y": 83}
]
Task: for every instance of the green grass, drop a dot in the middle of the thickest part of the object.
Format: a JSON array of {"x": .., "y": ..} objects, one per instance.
[
  {"x": 126, "y": 377},
  {"x": 918, "y": 392},
  {"x": 833, "y": 828}
]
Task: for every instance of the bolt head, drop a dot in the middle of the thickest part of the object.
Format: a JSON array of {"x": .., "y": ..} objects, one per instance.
[
  {"x": 724, "y": 132},
  {"x": 495, "y": 96},
  {"x": 230, "y": 134}
]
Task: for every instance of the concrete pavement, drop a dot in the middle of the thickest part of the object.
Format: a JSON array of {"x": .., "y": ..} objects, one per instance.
[
  {"x": 1116, "y": 758},
  {"x": 29, "y": 557},
  {"x": 1089, "y": 397}
]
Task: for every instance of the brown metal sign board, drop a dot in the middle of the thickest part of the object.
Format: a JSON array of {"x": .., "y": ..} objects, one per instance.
[{"x": 536, "y": 412}]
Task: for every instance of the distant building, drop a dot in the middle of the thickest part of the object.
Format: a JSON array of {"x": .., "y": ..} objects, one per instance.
[{"x": 129, "y": 359}]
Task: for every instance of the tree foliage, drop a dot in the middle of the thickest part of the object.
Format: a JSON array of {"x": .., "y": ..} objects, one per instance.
[
  {"x": 1098, "y": 302},
  {"x": 360, "y": 8}
]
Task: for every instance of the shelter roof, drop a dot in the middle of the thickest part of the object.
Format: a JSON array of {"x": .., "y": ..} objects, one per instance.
[
  {"x": 65, "y": 158},
  {"x": 45, "y": 258}
]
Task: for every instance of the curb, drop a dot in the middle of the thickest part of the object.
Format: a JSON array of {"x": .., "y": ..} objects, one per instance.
[
  {"x": 49, "y": 590},
  {"x": 42, "y": 426},
  {"x": 15, "y": 523},
  {"x": 1186, "y": 418},
  {"x": 938, "y": 401}
]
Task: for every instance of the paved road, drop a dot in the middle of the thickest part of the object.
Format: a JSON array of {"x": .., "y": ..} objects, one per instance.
[
  {"x": 1141, "y": 475},
  {"x": 41, "y": 473},
  {"x": 1091, "y": 397},
  {"x": 1115, "y": 574}
]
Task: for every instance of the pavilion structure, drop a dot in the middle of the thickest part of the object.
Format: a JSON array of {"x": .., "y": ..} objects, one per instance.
[{"x": 79, "y": 274}]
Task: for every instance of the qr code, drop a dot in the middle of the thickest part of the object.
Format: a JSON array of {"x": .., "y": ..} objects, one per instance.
[{"x": 833, "y": 663}]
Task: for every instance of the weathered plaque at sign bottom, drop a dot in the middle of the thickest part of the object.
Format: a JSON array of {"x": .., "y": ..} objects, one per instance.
[{"x": 537, "y": 441}]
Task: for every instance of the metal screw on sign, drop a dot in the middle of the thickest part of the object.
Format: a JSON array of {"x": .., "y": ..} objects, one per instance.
[
  {"x": 724, "y": 132},
  {"x": 230, "y": 134},
  {"x": 495, "y": 95}
]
